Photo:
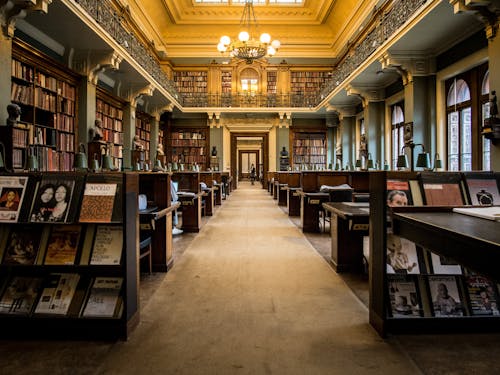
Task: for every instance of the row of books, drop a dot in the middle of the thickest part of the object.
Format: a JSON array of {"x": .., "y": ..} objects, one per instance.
[
  {"x": 73, "y": 244},
  {"x": 61, "y": 198},
  {"x": 187, "y": 135},
  {"x": 62, "y": 294},
  {"x": 441, "y": 296},
  {"x": 189, "y": 151},
  {"x": 308, "y": 159},
  {"x": 103, "y": 108},
  {"x": 188, "y": 142}
]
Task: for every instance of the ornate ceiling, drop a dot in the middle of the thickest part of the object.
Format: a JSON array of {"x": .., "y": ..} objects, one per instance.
[{"x": 315, "y": 31}]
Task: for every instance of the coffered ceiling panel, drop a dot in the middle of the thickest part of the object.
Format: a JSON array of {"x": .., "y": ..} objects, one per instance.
[{"x": 316, "y": 29}]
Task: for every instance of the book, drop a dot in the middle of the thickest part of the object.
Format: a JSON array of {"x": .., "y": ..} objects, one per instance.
[
  {"x": 87, "y": 243},
  {"x": 482, "y": 188},
  {"x": 482, "y": 295},
  {"x": 442, "y": 265},
  {"x": 108, "y": 245},
  {"x": 62, "y": 244},
  {"x": 20, "y": 295},
  {"x": 97, "y": 203},
  {"x": 404, "y": 296},
  {"x": 445, "y": 296},
  {"x": 12, "y": 194},
  {"x": 102, "y": 199},
  {"x": 104, "y": 298},
  {"x": 402, "y": 255},
  {"x": 23, "y": 245},
  {"x": 400, "y": 186},
  {"x": 57, "y": 293},
  {"x": 57, "y": 198}
]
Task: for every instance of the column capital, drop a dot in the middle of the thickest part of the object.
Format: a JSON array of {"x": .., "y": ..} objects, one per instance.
[
  {"x": 487, "y": 11},
  {"x": 366, "y": 93},
  {"x": 92, "y": 63},
  {"x": 409, "y": 65},
  {"x": 11, "y": 10}
]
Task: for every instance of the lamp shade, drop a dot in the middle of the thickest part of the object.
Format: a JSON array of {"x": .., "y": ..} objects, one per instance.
[
  {"x": 402, "y": 161},
  {"x": 369, "y": 165},
  {"x": 423, "y": 160},
  {"x": 358, "y": 163}
]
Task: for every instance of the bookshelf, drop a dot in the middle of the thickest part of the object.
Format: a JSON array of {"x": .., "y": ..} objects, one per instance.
[
  {"x": 76, "y": 322},
  {"x": 272, "y": 80},
  {"x": 435, "y": 233},
  {"x": 46, "y": 93},
  {"x": 307, "y": 82},
  {"x": 188, "y": 146},
  {"x": 309, "y": 149},
  {"x": 143, "y": 131},
  {"x": 109, "y": 110},
  {"x": 226, "y": 81},
  {"x": 191, "y": 85}
]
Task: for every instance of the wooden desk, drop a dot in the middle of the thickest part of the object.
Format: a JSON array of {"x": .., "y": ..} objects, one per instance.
[
  {"x": 191, "y": 211},
  {"x": 282, "y": 194},
  {"x": 217, "y": 194},
  {"x": 160, "y": 221},
  {"x": 293, "y": 200},
  {"x": 470, "y": 241},
  {"x": 208, "y": 198},
  {"x": 310, "y": 206},
  {"x": 349, "y": 223}
]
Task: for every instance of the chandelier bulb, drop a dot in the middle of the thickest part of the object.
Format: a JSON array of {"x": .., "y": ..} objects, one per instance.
[
  {"x": 265, "y": 38},
  {"x": 225, "y": 40},
  {"x": 243, "y": 36},
  {"x": 276, "y": 44},
  {"x": 271, "y": 51},
  {"x": 221, "y": 47}
]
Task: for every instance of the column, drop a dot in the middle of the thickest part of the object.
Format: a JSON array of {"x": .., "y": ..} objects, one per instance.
[{"x": 347, "y": 117}]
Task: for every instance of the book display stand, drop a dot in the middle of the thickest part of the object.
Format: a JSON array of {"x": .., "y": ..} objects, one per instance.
[
  {"x": 451, "y": 285},
  {"x": 73, "y": 278}
]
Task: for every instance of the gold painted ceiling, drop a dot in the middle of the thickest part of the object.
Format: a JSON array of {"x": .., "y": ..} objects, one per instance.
[{"x": 316, "y": 30}]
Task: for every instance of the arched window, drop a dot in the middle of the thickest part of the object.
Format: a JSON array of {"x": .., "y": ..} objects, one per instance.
[
  {"x": 459, "y": 127},
  {"x": 466, "y": 149},
  {"x": 485, "y": 113},
  {"x": 249, "y": 80},
  {"x": 397, "y": 133}
]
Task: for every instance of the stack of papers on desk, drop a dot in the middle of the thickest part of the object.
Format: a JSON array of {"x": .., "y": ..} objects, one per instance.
[
  {"x": 490, "y": 212},
  {"x": 186, "y": 194}
]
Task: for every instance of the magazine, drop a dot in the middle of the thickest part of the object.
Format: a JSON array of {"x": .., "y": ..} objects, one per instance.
[
  {"x": 62, "y": 246},
  {"x": 445, "y": 296},
  {"x": 404, "y": 296},
  {"x": 20, "y": 295},
  {"x": 12, "y": 192},
  {"x": 401, "y": 255},
  {"x": 23, "y": 245},
  {"x": 483, "y": 297}
]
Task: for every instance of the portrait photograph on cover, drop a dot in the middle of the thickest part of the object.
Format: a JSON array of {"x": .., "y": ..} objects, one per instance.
[
  {"x": 12, "y": 191},
  {"x": 445, "y": 296},
  {"x": 53, "y": 200}
]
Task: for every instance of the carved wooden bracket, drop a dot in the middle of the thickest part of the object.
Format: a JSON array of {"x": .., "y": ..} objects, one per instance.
[
  {"x": 486, "y": 11},
  {"x": 10, "y": 10}
]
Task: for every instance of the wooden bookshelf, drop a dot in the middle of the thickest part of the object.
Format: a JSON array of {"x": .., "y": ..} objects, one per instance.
[
  {"x": 309, "y": 149},
  {"x": 46, "y": 92},
  {"x": 272, "y": 80},
  {"x": 109, "y": 110},
  {"x": 143, "y": 130},
  {"x": 191, "y": 85},
  {"x": 74, "y": 324},
  {"x": 226, "y": 81},
  {"x": 307, "y": 82},
  {"x": 189, "y": 146}
]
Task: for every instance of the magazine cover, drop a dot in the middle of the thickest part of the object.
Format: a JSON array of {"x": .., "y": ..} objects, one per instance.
[
  {"x": 104, "y": 297},
  {"x": 12, "y": 192},
  {"x": 97, "y": 203},
  {"x": 22, "y": 245},
  {"x": 443, "y": 195},
  {"x": 401, "y": 255},
  {"x": 482, "y": 294},
  {"x": 62, "y": 246},
  {"x": 404, "y": 296},
  {"x": 483, "y": 192},
  {"x": 445, "y": 297},
  {"x": 398, "y": 193},
  {"x": 56, "y": 199},
  {"x": 444, "y": 265},
  {"x": 20, "y": 295}
]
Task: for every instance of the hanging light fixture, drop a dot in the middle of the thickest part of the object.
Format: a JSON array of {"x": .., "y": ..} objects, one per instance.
[{"x": 246, "y": 47}]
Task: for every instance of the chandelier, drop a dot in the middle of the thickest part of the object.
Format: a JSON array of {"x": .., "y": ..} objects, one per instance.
[{"x": 246, "y": 47}]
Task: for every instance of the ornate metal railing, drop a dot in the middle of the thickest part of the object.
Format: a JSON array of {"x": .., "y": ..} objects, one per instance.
[
  {"x": 386, "y": 24},
  {"x": 112, "y": 22}
]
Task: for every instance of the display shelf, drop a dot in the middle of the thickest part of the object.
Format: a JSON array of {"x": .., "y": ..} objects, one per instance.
[
  {"x": 143, "y": 131},
  {"x": 47, "y": 95},
  {"x": 191, "y": 85},
  {"x": 73, "y": 321},
  {"x": 430, "y": 230},
  {"x": 307, "y": 82}
]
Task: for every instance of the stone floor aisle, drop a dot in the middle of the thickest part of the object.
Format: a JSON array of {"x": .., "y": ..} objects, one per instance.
[{"x": 251, "y": 296}]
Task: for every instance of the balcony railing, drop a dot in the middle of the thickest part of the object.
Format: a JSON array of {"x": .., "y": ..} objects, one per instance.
[{"x": 245, "y": 100}]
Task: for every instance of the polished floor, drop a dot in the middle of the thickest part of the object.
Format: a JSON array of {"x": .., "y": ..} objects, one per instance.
[{"x": 250, "y": 294}]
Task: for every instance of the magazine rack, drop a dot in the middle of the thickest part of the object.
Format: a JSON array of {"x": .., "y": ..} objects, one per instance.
[
  {"x": 73, "y": 325},
  {"x": 455, "y": 241}
]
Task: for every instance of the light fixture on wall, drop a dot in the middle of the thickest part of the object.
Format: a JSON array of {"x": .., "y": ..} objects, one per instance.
[
  {"x": 423, "y": 158},
  {"x": 246, "y": 47}
]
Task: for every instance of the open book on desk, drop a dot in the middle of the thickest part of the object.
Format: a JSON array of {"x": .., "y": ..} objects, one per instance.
[
  {"x": 185, "y": 194},
  {"x": 490, "y": 212}
]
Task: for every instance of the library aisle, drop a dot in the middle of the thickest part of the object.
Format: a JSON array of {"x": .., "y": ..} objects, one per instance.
[{"x": 250, "y": 295}]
